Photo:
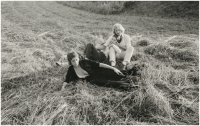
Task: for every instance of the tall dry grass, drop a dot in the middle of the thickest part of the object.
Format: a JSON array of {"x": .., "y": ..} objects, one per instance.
[
  {"x": 164, "y": 9},
  {"x": 168, "y": 84},
  {"x": 101, "y": 7}
]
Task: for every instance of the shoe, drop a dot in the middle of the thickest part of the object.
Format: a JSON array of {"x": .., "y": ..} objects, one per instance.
[
  {"x": 125, "y": 64},
  {"x": 125, "y": 67}
]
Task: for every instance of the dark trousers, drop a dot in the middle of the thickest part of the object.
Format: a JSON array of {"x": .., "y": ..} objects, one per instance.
[
  {"x": 92, "y": 53},
  {"x": 108, "y": 78}
]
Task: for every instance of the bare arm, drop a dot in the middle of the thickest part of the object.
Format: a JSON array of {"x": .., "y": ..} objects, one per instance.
[
  {"x": 108, "y": 41},
  {"x": 106, "y": 44},
  {"x": 116, "y": 48},
  {"x": 110, "y": 67},
  {"x": 100, "y": 46}
]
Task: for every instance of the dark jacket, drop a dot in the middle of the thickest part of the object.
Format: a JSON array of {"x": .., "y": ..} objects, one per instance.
[
  {"x": 97, "y": 75},
  {"x": 88, "y": 65}
]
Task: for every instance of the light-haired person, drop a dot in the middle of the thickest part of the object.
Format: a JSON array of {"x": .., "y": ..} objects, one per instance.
[{"x": 119, "y": 46}]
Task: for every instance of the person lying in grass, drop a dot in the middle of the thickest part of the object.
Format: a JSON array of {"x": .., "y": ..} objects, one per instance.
[
  {"x": 94, "y": 72},
  {"x": 119, "y": 46}
]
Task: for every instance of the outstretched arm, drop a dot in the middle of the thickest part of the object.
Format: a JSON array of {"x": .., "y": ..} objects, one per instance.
[
  {"x": 110, "y": 67},
  {"x": 116, "y": 48},
  {"x": 100, "y": 46},
  {"x": 107, "y": 43}
]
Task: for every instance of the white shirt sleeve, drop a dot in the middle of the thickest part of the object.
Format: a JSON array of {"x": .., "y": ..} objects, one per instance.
[{"x": 128, "y": 41}]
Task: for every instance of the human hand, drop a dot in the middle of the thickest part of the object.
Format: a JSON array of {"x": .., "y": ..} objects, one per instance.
[
  {"x": 64, "y": 84},
  {"x": 113, "y": 40},
  {"x": 122, "y": 47},
  {"x": 111, "y": 45},
  {"x": 118, "y": 72}
]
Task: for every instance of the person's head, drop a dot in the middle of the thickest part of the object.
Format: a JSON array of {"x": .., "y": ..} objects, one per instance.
[
  {"x": 118, "y": 29},
  {"x": 73, "y": 58}
]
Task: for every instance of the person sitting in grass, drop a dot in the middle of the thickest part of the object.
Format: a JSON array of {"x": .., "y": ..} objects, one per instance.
[
  {"x": 119, "y": 46},
  {"x": 94, "y": 72}
]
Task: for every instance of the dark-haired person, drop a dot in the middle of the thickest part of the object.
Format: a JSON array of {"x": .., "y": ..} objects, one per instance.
[
  {"x": 94, "y": 72},
  {"x": 119, "y": 46}
]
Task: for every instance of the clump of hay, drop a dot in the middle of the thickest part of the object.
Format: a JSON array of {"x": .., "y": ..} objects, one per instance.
[{"x": 144, "y": 42}]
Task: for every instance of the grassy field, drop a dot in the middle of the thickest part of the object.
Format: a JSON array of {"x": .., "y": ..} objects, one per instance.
[
  {"x": 35, "y": 35},
  {"x": 172, "y": 9}
]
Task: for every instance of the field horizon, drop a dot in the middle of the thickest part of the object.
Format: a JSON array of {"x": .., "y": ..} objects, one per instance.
[
  {"x": 35, "y": 35},
  {"x": 188, "y": 10}
]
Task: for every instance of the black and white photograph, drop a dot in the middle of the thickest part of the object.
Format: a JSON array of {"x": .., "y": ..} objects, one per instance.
[{"x": 99, "y": 62}]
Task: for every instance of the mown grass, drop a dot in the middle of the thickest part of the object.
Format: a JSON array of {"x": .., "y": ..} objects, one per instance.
[{"x": 166, "y": 62}]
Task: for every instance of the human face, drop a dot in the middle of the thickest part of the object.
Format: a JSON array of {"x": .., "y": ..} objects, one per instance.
[
  {"x": 75, "y": 61},
  {"x": 118, "y": 32}
]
